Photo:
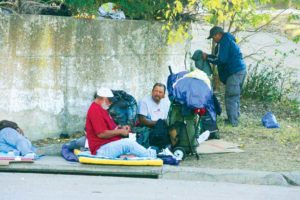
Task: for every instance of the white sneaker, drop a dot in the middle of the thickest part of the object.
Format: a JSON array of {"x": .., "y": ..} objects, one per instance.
[
  {"x": 204, "y": 136},
  {"x": 167, "y": 152},
  {"x": 163, "y": 153}
]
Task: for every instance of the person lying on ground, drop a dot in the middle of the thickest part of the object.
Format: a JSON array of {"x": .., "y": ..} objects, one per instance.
[
  {"x": 104, "y": 137},
  {"x": 12, "y": 139}
]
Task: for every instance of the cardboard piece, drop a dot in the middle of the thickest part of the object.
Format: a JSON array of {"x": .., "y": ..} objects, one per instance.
[
  {"x": 7, "y": 160},
  {"x": 218, "y": 146}
]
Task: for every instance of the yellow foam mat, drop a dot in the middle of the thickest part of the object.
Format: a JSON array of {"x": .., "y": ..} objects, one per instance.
[{"x": 102, "y": 161}]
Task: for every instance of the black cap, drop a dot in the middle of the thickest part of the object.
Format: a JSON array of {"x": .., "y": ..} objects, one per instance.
[{"x": 214, "y": 30}]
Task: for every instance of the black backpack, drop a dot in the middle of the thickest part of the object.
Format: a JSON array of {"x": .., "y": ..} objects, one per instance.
[
  {"x": 159, "y": 136},
  {"x": 123, "y": 109},
  {"x": 207, "y": 123}
]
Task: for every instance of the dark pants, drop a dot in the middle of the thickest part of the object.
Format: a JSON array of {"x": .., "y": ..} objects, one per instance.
[{"x": 233, "y": 89}]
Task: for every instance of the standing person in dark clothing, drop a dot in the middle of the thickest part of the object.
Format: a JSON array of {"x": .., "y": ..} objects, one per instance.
[{"x": 231, "y": 68}]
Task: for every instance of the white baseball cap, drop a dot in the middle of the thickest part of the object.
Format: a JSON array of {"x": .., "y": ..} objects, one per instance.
[{"x": 104, "y": 92}]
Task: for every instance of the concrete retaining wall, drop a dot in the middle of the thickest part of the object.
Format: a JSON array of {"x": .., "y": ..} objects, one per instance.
[{"x": 51, "y": 66}]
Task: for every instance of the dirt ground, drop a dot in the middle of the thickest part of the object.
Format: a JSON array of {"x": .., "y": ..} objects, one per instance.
[{"x": 265, "y": 149}]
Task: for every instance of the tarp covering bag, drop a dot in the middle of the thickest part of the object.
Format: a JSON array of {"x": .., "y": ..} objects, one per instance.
[
  {"x": 159, "y": 136},
  {"x": 269, "y": 121},
  {"x": 172, "y": 78},
  {"x": 124, "y": 108}
]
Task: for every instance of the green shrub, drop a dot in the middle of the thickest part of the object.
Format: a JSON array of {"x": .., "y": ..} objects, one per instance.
[
  {"x": 266, "y": 82},
  {"x": 79, "y": 6},
  {"x": 141, "y": 9}
]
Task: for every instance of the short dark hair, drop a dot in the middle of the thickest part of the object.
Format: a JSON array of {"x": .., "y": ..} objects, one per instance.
[
  {"x": 159, "y": 85},
  {"x": 95, "y": 95}
]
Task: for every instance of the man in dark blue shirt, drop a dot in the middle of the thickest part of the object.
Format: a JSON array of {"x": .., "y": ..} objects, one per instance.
[{"x": 231, "y": 68}]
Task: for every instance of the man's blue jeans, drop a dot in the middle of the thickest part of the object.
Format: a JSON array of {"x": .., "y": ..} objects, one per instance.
[
  {"x": 12, "y": 140},
  {"x": 233, "y": 89},
  {"x": 124, "y": 146}
]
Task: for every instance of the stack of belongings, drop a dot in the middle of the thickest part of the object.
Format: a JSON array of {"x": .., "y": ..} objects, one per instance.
[
  {"x": 111, "y": 10},
  {"x": 192, "y": 90}
]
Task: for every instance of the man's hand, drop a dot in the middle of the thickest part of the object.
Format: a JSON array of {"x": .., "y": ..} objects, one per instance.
[
  {"x": 124, "y": 132},
  {"x": 204, "y": 56},
  {"x": 126, "y": 127}
]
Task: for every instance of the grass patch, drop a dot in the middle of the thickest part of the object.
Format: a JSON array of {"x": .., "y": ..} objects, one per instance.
[{"x": 265, "y": 149}]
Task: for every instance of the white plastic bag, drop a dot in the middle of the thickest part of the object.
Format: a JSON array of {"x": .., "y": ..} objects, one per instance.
[{"x": 109, "y": 10}]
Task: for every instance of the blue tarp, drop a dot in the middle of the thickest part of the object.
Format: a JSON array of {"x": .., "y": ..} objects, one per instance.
[{"x": 191, "y": 92}]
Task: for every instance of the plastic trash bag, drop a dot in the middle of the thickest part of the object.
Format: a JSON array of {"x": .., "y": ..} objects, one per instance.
[
  {"x": 110, "y": 10},
  {"x": 269, "y": 121}
]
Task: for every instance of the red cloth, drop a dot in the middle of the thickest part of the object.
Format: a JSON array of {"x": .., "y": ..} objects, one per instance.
[
  {"x": 200, "y": 111},
  {"x": 98, "y": 121}
]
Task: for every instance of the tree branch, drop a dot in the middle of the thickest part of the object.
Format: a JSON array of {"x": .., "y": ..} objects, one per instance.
[
  {"x": 39, "y": 4},
  {"x": 7, "y": 3},
  {"x": 258, "y": 50},
  {"x": 231, "y": 22},
  {"x": 262, "y": 26}
]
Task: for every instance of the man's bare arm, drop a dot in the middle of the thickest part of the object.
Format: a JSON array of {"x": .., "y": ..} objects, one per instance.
[
  {"x": 146, "y": 122},
  {"x": 112, "y": 133}
]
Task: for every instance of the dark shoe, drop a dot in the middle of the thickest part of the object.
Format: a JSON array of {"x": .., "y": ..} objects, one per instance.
[
  {"x": 214, "y": 135},
  {"x": 227, "y": 122},
  {"x": 235, "y": 124}
]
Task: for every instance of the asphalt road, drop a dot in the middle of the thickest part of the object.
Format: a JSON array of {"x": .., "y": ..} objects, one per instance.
[{"x": 23, "y": 186}]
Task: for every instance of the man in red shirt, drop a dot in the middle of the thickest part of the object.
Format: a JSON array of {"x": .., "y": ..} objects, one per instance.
[{"x": 104, "y": 136}]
